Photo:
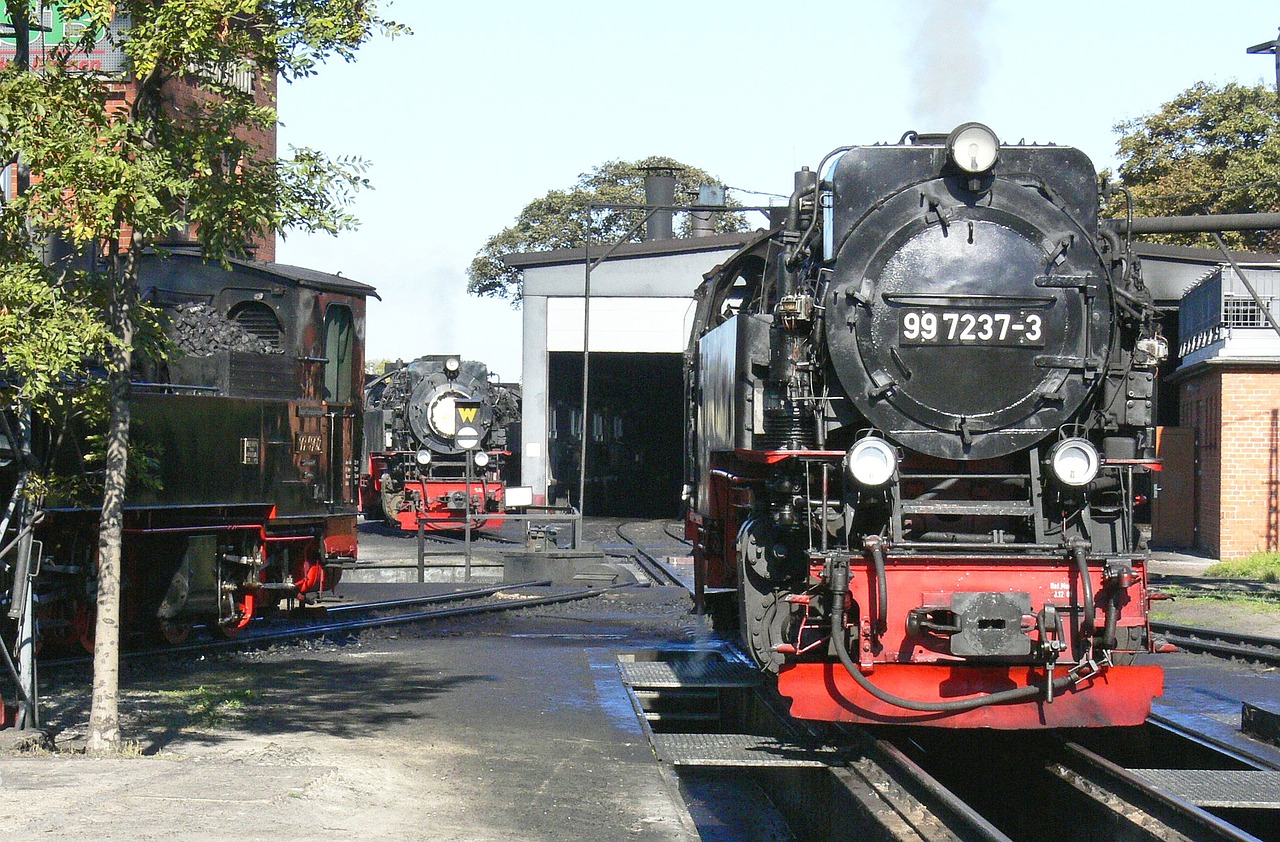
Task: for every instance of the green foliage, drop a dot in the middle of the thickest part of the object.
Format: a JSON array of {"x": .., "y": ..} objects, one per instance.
[
  {"x": 558, "y": 219},
  {"x": 102, "y": 166},
  {"x": 1209, "y": 150},
  {"x": 1265, "y": 567}
]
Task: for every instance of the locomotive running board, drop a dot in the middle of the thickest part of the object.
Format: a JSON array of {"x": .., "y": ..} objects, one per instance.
[{"x": 825, "y": 691}]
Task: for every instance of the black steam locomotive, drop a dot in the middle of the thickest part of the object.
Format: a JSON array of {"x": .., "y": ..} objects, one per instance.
[
  {"x": 918, "y": 409},
  {"x": 415, "y": 466},
  {"x": 242, "y": 492}
]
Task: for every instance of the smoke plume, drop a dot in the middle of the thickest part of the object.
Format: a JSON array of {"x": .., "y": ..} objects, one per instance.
[{"x": 948, "y": 63}]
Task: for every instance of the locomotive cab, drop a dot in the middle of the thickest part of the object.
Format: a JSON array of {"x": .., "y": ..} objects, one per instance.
[{"x": 923, "y": 404}]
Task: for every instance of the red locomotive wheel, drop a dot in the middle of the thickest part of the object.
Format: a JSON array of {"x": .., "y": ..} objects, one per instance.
[
  {"x": 84, "y": 623},
  {"x": 175, "y": 632},
  {"x": 226, "y": 631}
]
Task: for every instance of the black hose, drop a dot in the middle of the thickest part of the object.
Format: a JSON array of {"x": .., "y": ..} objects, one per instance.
[
  {"x": 1112, "y": 610},
  {"x": 1080, "y": 554},
  {"x": 875, "y": 545},
  {"x": 839, "y": 586}
]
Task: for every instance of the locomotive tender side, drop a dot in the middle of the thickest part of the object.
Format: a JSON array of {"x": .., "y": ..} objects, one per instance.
[
  {"x": 414, "y": 469},
  {"x": 247, "y": 497},
  {"x": 917, "y": 411}
]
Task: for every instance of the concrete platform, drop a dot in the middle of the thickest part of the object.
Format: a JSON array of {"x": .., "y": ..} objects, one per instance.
[{"x": 1179, "y": 563}]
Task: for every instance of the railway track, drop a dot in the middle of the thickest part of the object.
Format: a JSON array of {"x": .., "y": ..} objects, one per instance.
[
  {"x": 654, "y": 567},
  {"x": 356, "y": 617},
  {"x": 1137, "y": 803},
  {"x": 927, "y": 784},
  {"x": 1264, "y": 650},
  {"x": 712, "y": 720}
]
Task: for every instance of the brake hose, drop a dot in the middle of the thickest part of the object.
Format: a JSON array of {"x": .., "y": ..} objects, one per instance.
[{"x": 839, "y": 586}]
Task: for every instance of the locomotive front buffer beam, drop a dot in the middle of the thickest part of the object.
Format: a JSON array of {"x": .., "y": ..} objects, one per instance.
[{"x": 979, "y": 641}]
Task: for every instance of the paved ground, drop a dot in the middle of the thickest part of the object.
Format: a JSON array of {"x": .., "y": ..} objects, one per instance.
[
  {"x": 512, "y": 727},
  {"x": 500, "y": 728}
]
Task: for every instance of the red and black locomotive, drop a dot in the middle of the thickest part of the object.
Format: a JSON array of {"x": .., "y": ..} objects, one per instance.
[
  {"x": 918, "y": 409},
  {"x": 416, "y": 470},
  {"x": 243, "y": 478}
]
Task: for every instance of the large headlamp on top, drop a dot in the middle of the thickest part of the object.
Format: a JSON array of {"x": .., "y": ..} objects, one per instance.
[
  {"x": 1074, "y": 462},
  {"x": 973, "y": 148},
  {"x": 872, "y": 463},
  {"x": 452, "y": 365}
]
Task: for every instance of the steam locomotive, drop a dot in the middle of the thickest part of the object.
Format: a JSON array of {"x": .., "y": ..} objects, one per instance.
[
  {"x": 416, "y": 459},
  {"x": 918, "y": 410},
  {"x": 242, "y": 492}
]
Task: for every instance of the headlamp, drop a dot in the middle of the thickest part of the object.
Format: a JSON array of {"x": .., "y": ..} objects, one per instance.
[
  {"x": 481, "y": 458},
  {"x": 872, "y": 462},
  {"x": 423, "y": 457},
  {"x": 973, "y": 148},
  {"x": 1074, "y": 462}
]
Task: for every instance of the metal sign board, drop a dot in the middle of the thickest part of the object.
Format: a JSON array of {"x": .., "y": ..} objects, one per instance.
[
  {"x": 466, "y": 420},
  {"x": 51, "y": 29}
]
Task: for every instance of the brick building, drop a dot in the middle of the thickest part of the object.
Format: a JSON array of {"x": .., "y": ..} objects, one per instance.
[
  {"x": 1227, "y": 384},
  {"x": 183, "y": 95}
]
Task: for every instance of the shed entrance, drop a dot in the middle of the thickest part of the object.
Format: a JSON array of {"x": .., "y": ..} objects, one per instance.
[{"x": 633, "y": 432}]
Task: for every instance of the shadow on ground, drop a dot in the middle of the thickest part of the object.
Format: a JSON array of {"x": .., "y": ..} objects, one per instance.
[{"x": 163, "y": 702}]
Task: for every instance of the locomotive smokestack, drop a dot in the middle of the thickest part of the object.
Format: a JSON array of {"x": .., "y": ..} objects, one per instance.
[{"x": 660, "y": 191}]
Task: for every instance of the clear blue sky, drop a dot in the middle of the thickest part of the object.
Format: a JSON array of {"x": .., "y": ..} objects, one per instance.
[{"x": 489, "y": 104}]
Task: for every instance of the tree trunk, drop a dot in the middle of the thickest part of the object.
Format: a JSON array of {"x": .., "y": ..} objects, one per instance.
[{"x": 104, "y": 716}]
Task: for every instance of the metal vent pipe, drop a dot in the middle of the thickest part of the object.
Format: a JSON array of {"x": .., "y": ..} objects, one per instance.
[{"x": 659, "y": 190}]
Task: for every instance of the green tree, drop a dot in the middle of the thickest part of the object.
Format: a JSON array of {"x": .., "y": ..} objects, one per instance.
[
  {"x": 558, "y": 219},
  {"x": 1210, "y": 150},
  {"x": 112, "y": 176}
]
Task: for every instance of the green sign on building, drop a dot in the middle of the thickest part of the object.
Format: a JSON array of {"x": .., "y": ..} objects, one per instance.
[{"x": 51, "y": 29}]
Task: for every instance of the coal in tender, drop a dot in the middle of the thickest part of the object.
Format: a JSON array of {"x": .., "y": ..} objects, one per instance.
[{"x": 200, "y": 330}]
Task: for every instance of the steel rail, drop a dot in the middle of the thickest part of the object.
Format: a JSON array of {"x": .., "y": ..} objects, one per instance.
[
  {"x": 655, "y": 568},
  {"x": 1152, "y": 810},
  {"x": 1221, "y": 643},
  {"x": 258, "y": 638},
  {"x": 947, "y": 807},
  {"x": 451, "y": 596},
  {"x": 1234, "y": 753}
]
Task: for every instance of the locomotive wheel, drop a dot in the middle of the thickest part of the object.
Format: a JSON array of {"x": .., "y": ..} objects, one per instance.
[
  {"x": 225, "y": 631},
  {"x": 175, "y": 632},
  {"x": 391, "y": 503},
  {"x": 761, "y": 569},
  {"x": 85, "y": 622}
]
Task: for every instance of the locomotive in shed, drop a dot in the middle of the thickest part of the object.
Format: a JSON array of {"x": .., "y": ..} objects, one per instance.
[
  {"x": 918, "y": 410},
  {"x": 242, "y": 491},
  {"x": 416, "y": 468}
]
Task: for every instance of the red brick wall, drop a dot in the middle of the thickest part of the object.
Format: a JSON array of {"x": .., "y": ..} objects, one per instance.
[
  {"x": 1239, "y": 457},
  {"x": 184, "y": 96}
]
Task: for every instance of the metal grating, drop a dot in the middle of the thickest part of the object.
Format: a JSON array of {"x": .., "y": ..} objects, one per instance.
[
  {"x": 740, "y": 750},
  {"x": 1217, "y": 788},
  {"x": 259, "y": 321},
  {"x": 710, "y": 673}
]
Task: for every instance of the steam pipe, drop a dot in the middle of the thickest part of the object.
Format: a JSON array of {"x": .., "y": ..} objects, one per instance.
[{"x": 1204, "y": 224}]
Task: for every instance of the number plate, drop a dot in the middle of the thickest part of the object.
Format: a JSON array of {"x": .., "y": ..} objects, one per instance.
[{"x": 991, "y": 328}]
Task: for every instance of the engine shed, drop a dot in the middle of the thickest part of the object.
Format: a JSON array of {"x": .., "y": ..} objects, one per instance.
[{"x": 639, "y": 315}]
